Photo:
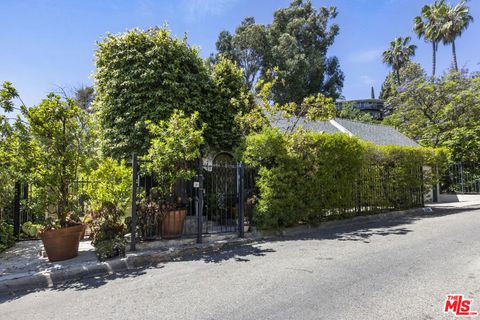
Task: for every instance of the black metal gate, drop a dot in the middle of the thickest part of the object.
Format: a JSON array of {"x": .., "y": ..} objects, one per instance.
[
  {"x": 462, "y": 178},
  {"x": 217, "y": 200}
]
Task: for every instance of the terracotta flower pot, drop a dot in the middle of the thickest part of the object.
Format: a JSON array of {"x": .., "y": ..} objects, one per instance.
[
  {"x": 62, "y": 244},
  {"x": 172, "y": 224}
]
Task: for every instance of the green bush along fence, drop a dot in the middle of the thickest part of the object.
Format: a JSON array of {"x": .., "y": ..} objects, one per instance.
[{"x": 310, "y": 177}]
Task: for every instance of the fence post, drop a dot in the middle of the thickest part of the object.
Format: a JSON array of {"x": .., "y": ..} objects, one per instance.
[
  {"x": 25, "y": 217},
  {"x": 462, "y": 179},
  {"x": 436, "y": 186},
  {"x": 241, "y": 203},
  {"x": 16, "y": 210},
  {"x": 133, "y": 228},
  {"x": 199, "y": 197}
]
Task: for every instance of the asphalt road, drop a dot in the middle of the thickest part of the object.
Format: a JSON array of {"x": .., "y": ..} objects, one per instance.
[{"x": 396, "y": 268}]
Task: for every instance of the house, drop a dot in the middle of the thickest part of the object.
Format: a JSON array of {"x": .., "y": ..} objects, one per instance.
[
  {"x": 377, "y": 133},
  {"x": 373, "y": 106}
]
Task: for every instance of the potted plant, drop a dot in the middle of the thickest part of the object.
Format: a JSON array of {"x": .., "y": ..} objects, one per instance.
[
  {"x": 61, "y": 237},
  {"x": 54, "y": 133},
  {"x": 57, "y": 127},
  {"x": 175, "y": 143},
  {"x": 173, "y": 218}
]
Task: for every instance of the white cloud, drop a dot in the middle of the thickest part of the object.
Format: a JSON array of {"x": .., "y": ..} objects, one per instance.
[
  {"x": 367, "y": 80},
  {"x": 367, "y": 55},
  {"x": 197, "y": 9}
]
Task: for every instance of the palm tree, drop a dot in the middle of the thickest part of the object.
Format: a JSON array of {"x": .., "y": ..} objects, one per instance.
[
  {"x": 429, "y": 27},
  {"x": 399, "y": 54},
  {"x": 456, "y": 20}
]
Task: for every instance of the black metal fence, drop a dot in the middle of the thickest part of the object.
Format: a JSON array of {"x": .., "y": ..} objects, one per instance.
[
  {"x": 25, "y": 204},
  {"x": 216, "y": 200},
  {"x": 381, "y": 188},
  {"x": 12, "y": 212},
  {"x": 461, "y": 178}
]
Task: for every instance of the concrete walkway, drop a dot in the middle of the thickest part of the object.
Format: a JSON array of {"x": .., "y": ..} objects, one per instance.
[
  {"x": 25, "y": 258},
  {"x": 457, "y": 201}
]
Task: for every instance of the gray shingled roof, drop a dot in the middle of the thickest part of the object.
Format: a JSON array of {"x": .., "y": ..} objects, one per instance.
[
  {"x": 320, "y": 126},
  {"x": 376, "y": 133}
]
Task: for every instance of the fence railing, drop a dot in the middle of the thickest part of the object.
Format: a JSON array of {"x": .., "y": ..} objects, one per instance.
[
  {"x": 221, "y": 198},
  {"x": 22, "y": 206},
  {"x": 461, "y": 178}
]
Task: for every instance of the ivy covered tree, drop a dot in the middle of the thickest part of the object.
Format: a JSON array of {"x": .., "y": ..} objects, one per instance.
[
  {"x": 144, "y": 75},
  {"x": 231, "y": 100}
]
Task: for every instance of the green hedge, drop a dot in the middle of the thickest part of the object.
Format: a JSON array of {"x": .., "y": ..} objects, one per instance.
[{"x": 309, "y": 177}]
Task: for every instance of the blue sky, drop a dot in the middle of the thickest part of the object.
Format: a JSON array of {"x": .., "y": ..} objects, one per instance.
[{"x": 49, "y": 43}]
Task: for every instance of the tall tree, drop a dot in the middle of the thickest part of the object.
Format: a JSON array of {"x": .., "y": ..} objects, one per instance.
[
  {"x": 246, "y": 47},
  {"x": 444, "y": 113},
  {"x": 84, "y": 96},
  {"x": 299, "y": 38},
  {"x": 429, "y": 27},
  {"x": 456, "y": 20},
  {"x": 411, "y": 71},
  {"x": 399, "y": 54}
]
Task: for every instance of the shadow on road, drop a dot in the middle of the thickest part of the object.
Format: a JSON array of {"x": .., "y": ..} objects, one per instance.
[
  {"x": 79, "y": 285},
  {"x": 348, "y": 230},
  {"x": 237, "y": 253},
  {"x": 363, "y": 230}
]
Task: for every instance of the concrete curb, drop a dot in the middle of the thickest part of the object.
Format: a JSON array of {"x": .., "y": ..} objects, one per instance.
[{"x": 132, "y": 261}]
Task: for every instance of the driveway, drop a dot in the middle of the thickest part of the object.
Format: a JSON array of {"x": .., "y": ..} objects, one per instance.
[{"x": 400, "y": 267}]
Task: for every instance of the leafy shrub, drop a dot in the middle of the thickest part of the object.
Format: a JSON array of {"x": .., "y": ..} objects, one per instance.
[
  {"x": 109, "y": 230},
  {"x": 307, "y": 177},
  {"x": 31, "y": 230},
  {"x": 110, "y": 248},
  {"x": 176, "y": 141},
  {"x": 144, "y": 75},
  {"x": 111, "y": 183},
  {"x": 6, "y": 236}
]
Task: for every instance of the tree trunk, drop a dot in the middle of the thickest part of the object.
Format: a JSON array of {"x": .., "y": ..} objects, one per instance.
[
  {"x": 398, "y": 76},
  {"x": 434, "y": 59},
  {"x": 454, "y": 52}
]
